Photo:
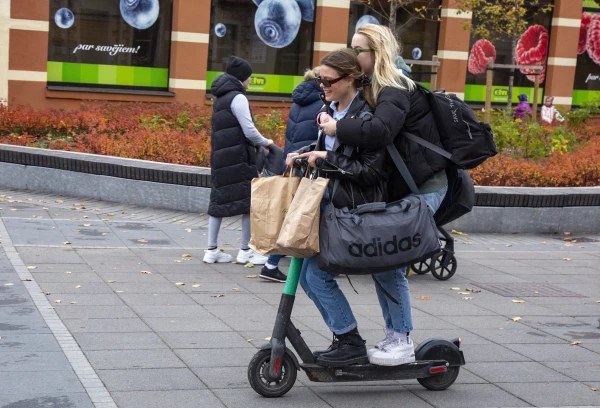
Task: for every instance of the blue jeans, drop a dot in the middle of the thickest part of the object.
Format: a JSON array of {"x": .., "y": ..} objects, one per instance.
[
  {"x": 399, "y": 316},
  {"x": 322, "y": 288},
  {"x": 274, "y": 259}
]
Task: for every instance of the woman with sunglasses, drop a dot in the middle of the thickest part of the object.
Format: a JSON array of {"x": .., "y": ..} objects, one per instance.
[
  {"x": 362, "y": 180},
  {"x": 400, "y": 108}
]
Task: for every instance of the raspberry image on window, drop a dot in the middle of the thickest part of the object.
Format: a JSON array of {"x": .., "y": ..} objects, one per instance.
[
  {"x": 482, "y": 52},
  {"x": 593, "y": 39},
  {"x": 586, "y": 19},
  {"x": 532, "y": 49}
]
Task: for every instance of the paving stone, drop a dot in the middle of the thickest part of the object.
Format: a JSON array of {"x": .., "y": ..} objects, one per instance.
[
  {"x": 205, "y": 340},
  {"x": 148, "y": 299},
  {"x": 191, "y": 311},
  {"x": 37, "y": 255},
  {"x": 71, "y": 288},
  {"x": 223, "y": 377},
  {"x": 33, "y": 361},
  {"x": 162, "y": 399},
  {"x": 130, "y": 359},
  {"x": 105, "y": 325},
  {"x": 21, "y": 325},
  {"x": 39, "y": 382},
  {"x": 46, "y": 400},
  {"x": 490, "y": 352},
  {"x": 503, "y": 372},
  {"x": 119, "y": 341},
  {"x": 568, "y": 394},
  {"x": 297, "y": 397},
  {"x": 378, "y": 396},
  {"x": 580, "y": 371},
  {"x": 233, "y": 357},
  {"x": 30, "y": 342},
  {"x": 554, "y": 352},
  {"x": 73, "y": 278},
  {"x": 518, "y": 334},
  {"x": 469, "y": 396},
  {"x": 95, "y": 312},
  {"x": 156, "y": 379},
  {"x": 85, "y": 299},
  {"x": 179, "y": 324}
]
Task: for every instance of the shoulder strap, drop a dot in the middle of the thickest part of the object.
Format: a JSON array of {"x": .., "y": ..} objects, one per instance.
[
  {"x": 401, "y": 166},
  {"x": 428, "y": 145}
]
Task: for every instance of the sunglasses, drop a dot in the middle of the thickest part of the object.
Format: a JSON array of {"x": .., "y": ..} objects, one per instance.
[
  {"x": 357, "y": 51},
  {"x": 328, "y": 82}
]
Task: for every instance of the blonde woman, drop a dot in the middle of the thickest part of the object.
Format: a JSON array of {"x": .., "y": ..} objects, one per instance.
[{"x": 400, "y": 107}]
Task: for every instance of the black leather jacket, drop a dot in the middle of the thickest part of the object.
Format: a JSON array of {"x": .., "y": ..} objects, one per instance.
[{"x": 362, "y": 176}]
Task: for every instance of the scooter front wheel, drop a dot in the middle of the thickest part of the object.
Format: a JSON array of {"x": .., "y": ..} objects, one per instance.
[
  {"x": 440, "y": 382},
  {"x": 258, "y": 375}
]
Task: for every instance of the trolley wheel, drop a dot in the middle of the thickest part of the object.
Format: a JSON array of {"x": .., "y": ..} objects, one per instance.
[
  {"x": 440, "y": 382},
  {"x": 422, "y": 267},
  {"x": 438, "y": 270},
  {"x": 257, "y": 369}
]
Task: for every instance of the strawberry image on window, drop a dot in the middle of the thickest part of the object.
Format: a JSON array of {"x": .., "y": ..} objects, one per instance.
[
  {"x": 586, "y": 19},
  {"x": 482, "y": 52},
  {"x": 593, "y": 39},
  {"x": 532, "y": 49}
]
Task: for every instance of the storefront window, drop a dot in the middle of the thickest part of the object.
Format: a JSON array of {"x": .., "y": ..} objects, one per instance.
[
  {"x": 587, "y": 76},
  {"x": 274, "y": 36},
  {"x": 534, "y": 42},
  {"x": 417, "y": 31},
  {"x": 121, "y": 45}
]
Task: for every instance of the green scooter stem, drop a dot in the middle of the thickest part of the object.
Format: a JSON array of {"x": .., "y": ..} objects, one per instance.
[{"x": 291, "y": 283}]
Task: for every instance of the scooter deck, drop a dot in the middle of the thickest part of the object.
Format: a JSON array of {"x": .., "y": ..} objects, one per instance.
[{"x": 371, "y": 372}]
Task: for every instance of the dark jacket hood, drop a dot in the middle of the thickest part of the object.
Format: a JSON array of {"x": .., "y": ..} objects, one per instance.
[
  {"x": 306, "y": 93},
  {"x": 226, "y": 83}
]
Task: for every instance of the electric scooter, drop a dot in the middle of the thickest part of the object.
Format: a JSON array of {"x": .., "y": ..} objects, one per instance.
[{"x": 273, "y": 369}]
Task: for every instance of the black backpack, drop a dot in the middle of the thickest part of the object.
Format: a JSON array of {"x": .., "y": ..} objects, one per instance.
[{"x": 467, "y": 141}]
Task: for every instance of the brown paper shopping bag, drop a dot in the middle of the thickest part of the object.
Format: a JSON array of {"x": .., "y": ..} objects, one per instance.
[
  {"x": 271, "y": 198},
  {"x": 299, "y": 234}
]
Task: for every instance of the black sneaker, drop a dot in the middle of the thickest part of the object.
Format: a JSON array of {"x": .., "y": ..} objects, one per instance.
[
  {"x": 349, "y": 350},
  {"x": 274, "y": 275}
]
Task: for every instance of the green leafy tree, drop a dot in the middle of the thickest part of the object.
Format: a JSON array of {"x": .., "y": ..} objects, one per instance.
[{"x": 504, "y": 20}]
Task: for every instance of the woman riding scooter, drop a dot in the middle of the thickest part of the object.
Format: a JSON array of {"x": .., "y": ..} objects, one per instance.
[
  {"x": 362, "y": 180},
  {"x": 400, "y": 107}
]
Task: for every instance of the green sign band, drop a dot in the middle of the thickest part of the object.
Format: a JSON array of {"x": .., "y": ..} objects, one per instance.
[
  {"x": 264, "y": 83},
  {"x": 99, "y": 74},
  {"x": 476, "y": 93}
]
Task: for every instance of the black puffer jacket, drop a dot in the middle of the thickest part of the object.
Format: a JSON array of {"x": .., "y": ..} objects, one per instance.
[
  {"x": 362, "y": 175},
  {"x": 398, "y": 110},
  {"x": 233, "y": 157}
]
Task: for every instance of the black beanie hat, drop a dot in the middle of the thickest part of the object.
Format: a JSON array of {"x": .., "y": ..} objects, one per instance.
[{"x": 239, "y": 68}]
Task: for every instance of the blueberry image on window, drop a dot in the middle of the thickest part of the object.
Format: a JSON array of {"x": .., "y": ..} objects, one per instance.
[
  {"x": 417, "y": 53},
  {"x": 366, "y": 19},
  {"x": 277, "y": 22},
  {"x": 307, "y": 8},
  {"x": 64, "y": 18},
  {"x": 220, "y": 30},
  {"x": 140, "y": 14}
]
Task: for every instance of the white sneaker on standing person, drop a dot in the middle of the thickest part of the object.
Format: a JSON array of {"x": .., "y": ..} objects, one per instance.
[{"x": 233, "y": 142}]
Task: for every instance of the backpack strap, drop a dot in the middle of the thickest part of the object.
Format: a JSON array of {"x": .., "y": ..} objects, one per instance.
[
  {"x": 401, "y": 166},
  {"x": 428, "y": 145}
]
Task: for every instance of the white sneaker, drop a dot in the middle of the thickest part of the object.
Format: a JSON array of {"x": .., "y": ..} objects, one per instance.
[
  {"x": 216, "y": 255},
  {"x": 389, "y": 335},
  {"x": 249, "y": 255},
  {"x": 395, "y": 352}
]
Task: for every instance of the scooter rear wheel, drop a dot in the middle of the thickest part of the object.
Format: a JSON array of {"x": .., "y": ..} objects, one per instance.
[
  {"x": 440, "y": 382},
  {"x": 257, "y": 370}
]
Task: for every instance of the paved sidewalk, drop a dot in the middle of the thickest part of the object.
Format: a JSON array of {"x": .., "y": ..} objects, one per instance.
[{"x": 82, "y": 325}]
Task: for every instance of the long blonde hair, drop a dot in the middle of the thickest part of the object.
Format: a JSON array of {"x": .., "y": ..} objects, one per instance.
[{"x": 383, "y": 44}]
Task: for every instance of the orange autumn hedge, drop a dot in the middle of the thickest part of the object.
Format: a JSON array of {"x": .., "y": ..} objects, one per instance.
[{"x": 178, "y": 133}]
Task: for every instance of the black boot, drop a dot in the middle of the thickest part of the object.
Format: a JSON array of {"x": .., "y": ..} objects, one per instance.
[
  {"x": 333, "y": 346},
  {"x": 349, "y": 350}
]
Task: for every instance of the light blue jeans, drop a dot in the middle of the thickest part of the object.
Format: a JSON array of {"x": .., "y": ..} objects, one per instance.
[{"x": 322, "y": 288}]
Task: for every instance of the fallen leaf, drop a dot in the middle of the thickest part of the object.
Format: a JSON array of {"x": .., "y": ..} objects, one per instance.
[
  {"x": 86, "y": 217},
  {"x": 423, "y": 298},
  {"x": 177, "y": 261},
  {"x": 57, "y": 301},
  {"x": 181, "y": 222},
  {"x": 569, "y": 245},
  {"x": 267, "y": 338},
  {"x": 196, "y": 286},
  {"x": 492, "y": 249},
  {"x": 249, "y": 340},
  {"x": 454, "y": 289},
  {"x": 179, "y": 283},
  {"x": 110, "y": 214},
  {"x": 592, "y": 388},
  {"x": 26, "y": 280},
  {"x": 567, "y": 259},
  {"x": 31, "y": 267},
  {"x": 249, "y": 265},
  {"x": 59, "y": 201},
  {"x": 459, "y": 233},
  {"x": 68, "y": 272},
  {"x": 105, "y": 219},
  {"x": 76, "y": 230},
  {"x": 516, "y": 319},
  {"x": 518, "y": 301},
  {"x": 73, "y": 303},
  {"x": 575, "y": 343},
  {"x": 467, "y": 298},
  {"x": 142, "y": 240},
  {"x": 87, "y": 225},
  {"x": 47, "y": 293},
  {"x": 567, "y": 233},
  {"x": 111, "y": 281},
  {"x": 67, "y": 243},
  {"x": 9, "y": 284},
  {"x": 78, "y": 286},
  {"x": 235, "y": 288},
  {"x": 217, "y": 296},
  {"x": 105, "y": 233},
  {"x": 537, "y": 293},
  {"x": 188, "y": 230},
  {"x": 508, "y": 245},
  {"x": 147, "y": 272},
  {"x": 254, "y": 277},
  {"x": 123, "y": 212},
  {"x": 464, "y": 293},
  {"x": 186, "y": 256},
  {"x": 544, "y": 242},
  {"x": 597, "y": 301}
]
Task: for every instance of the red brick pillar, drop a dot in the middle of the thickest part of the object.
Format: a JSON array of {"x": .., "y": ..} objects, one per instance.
[
  {"x": 453, "y": 49},
  {"x": 331, "y": 27},
  {"x": 562, "y": 53}
]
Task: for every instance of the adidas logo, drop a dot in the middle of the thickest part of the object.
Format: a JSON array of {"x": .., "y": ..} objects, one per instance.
[{"x": 378, "y": 248}]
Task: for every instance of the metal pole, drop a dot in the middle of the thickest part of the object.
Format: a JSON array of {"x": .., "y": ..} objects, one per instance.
[
  {"x": 433, "y": 85},
  {"x": 536, "y": 87},
  {"x": 488, "y": 92}
]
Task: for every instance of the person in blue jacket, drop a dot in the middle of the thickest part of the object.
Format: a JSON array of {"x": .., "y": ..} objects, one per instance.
[{"x": 301, "y": 131}]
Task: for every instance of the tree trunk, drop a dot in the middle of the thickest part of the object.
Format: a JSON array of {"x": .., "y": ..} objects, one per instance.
[
  {"x": 511, "y": 78},
  {"x": 393, "y": 9}
]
